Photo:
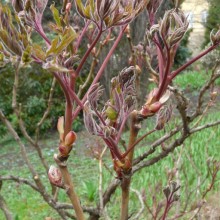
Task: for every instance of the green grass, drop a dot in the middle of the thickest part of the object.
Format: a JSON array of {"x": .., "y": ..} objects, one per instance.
[{"x": 193, "y": 80}]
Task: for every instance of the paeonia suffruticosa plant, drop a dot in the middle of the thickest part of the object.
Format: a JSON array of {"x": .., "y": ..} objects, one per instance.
[{"x": 61, "y": 55}]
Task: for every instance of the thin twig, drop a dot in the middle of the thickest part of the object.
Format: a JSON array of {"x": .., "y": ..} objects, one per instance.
[
  {"x": 101, "y": 70},
  {"x": 39, "y": 184},
  {"x": 47, "y": 111},
  {"x": 137, "y": 216},
  {"x": 21, "y": 122}
]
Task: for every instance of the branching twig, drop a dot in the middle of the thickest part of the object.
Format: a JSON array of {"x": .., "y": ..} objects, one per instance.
[
  {"x": 20, "y": 180},
  {"x": 137, "y": 216},
  {"x": 35, "y": 175},
  {"x": 4, "y": 208},
  {"x": 21, "y": 122},
  {"x": 47, "y": 111}
]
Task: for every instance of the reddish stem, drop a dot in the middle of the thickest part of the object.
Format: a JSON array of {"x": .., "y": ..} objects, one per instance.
[
  {"x": 88, "y": 52},
  {"x": 113, "y": 148},
  {"x": 121, "y": 128},
  {"x": 101, "y": 70},
  {"x": 40, "y": 31},
  {"x": 163, "y": 84},
  {"x": 136, "y": 142},
  {"x": 176, "y": 72},
  {"x": 81, "y": 35}
]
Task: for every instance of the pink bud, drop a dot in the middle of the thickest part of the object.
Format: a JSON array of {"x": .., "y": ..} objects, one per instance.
[
  {"x": 68, "y": 6},
  {"x": 55, "y": 176},
  {"x": 70, "y": 138}
]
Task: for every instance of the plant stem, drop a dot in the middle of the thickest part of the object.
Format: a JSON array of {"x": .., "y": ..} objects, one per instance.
[
  {"x": 88, "y": 52},
  {"x": 163, "y": 83},
  {"x": 176, "y": 72},
  {"x": 101, "y": 70},
  {"x": 166, "y": 210},
  {"x": 137, "y": 141},
  {"x": 70, "y": 191},
  {"x": 126, "y": 180},
  {"x": 82, "y": 34}
]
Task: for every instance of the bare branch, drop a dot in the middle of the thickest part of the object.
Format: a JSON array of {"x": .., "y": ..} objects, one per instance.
[
  {"x": 156, "y": 144},
  {"x": 182, "y": 104},
  {"x": 21, "y": 122},
  {"x": 202, "y": 92},
  {"x": 137, "y": 216},
  {"x": 35, "y": 175},
  {"x": 19, "y": 180},
  {"x": 171, "y": 147},
  {"x": 47, "y": 111},
  {"x": 4, "y": 208}
]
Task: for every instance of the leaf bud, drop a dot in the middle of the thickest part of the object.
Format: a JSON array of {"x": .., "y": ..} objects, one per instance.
[
  {"x": 167, "y": 191},
  {"x": 138, "y": 69}
]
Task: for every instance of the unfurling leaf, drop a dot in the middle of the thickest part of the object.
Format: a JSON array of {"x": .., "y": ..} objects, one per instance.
[
  {"x": 89, "y": 121},
  {"x": 56, "y": 15},
  {"x": 26, "y": 56},
  {"x": 58, "y": 46},
  {"x": 94, "y": 94},
  {"x": 163, "y": 116},
  {"x": 111, "y": 113},
  {"x": 54, "y": 67},
  {"x": 60, "y": 127},
  {"x": 110, "y": 12}
]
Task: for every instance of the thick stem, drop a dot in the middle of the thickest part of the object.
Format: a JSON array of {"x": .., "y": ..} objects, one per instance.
[
  {"x": 70, "y": 191},
  {"x": 125, "y": 188},
  {"x": 126, "y": 180}
]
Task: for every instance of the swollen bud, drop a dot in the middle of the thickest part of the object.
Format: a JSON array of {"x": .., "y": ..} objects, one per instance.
[
  {"x": 70, "y": 138},
  {"x": 55, "y": 176}
]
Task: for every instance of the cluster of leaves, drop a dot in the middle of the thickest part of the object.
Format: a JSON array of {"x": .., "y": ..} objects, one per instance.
[{"x": 108, "y": 122}]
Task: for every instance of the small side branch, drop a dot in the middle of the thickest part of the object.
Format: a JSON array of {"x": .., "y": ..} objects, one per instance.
[
  {"x": 19, "y": 180},
  {"x": 4, "y": 208}
]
